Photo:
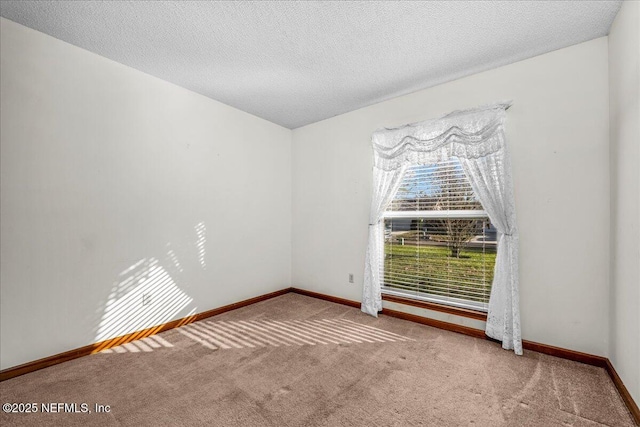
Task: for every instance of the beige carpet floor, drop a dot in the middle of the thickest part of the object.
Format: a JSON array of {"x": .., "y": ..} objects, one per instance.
[{"x": 299, "y": 361}]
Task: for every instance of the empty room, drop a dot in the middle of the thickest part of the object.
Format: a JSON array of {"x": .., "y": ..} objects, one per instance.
[{"x": 329, "y": 213}]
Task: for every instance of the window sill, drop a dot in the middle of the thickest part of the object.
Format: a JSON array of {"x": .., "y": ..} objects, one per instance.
[{"x": 472, "y": 314}]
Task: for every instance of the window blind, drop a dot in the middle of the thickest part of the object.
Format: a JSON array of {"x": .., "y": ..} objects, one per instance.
[{"x": 439, "y": 243}]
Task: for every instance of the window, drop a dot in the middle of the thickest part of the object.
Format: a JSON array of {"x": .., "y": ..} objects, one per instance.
[{"x": 439, "y": 244}]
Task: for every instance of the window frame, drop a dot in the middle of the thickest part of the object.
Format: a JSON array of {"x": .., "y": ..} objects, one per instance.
[{"x": 448, "y": 303}]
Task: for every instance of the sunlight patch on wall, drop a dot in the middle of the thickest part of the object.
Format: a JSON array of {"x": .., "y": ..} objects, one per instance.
[
  {"x": 144, "y": 295},
  {"x": 171, "y": 254},
  {"x": 201, "y": 231}
]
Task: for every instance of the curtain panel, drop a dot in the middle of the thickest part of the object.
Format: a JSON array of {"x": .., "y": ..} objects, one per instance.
[{"x": 476, "y": 137}]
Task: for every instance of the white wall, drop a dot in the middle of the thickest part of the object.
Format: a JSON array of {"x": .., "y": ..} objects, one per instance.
[
  {"x": 558, "y": 136},
  {"x": 115, "y": 183},
  {"x": 104, "y": 168},
  {"x": 624, "y": 86}
]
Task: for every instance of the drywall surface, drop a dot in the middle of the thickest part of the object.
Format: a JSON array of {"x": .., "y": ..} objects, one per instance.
[
  {"x": 624, "y": 75},
  {"x": 558, "y": 136},
  {"x": 119, "y": 187}
]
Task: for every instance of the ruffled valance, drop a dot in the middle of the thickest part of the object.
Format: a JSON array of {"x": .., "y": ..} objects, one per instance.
[{"x": 465, "y": 134}]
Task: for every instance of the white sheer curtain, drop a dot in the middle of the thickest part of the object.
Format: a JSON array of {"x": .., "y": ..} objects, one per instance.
[
  {"x": 476, "y": 137},
  {"x": 490, "y": 177},
  {"x": 385, "y": 186}
]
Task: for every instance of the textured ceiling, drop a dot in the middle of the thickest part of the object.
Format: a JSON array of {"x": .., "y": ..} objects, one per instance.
[{"x": 295, "y": 63}]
